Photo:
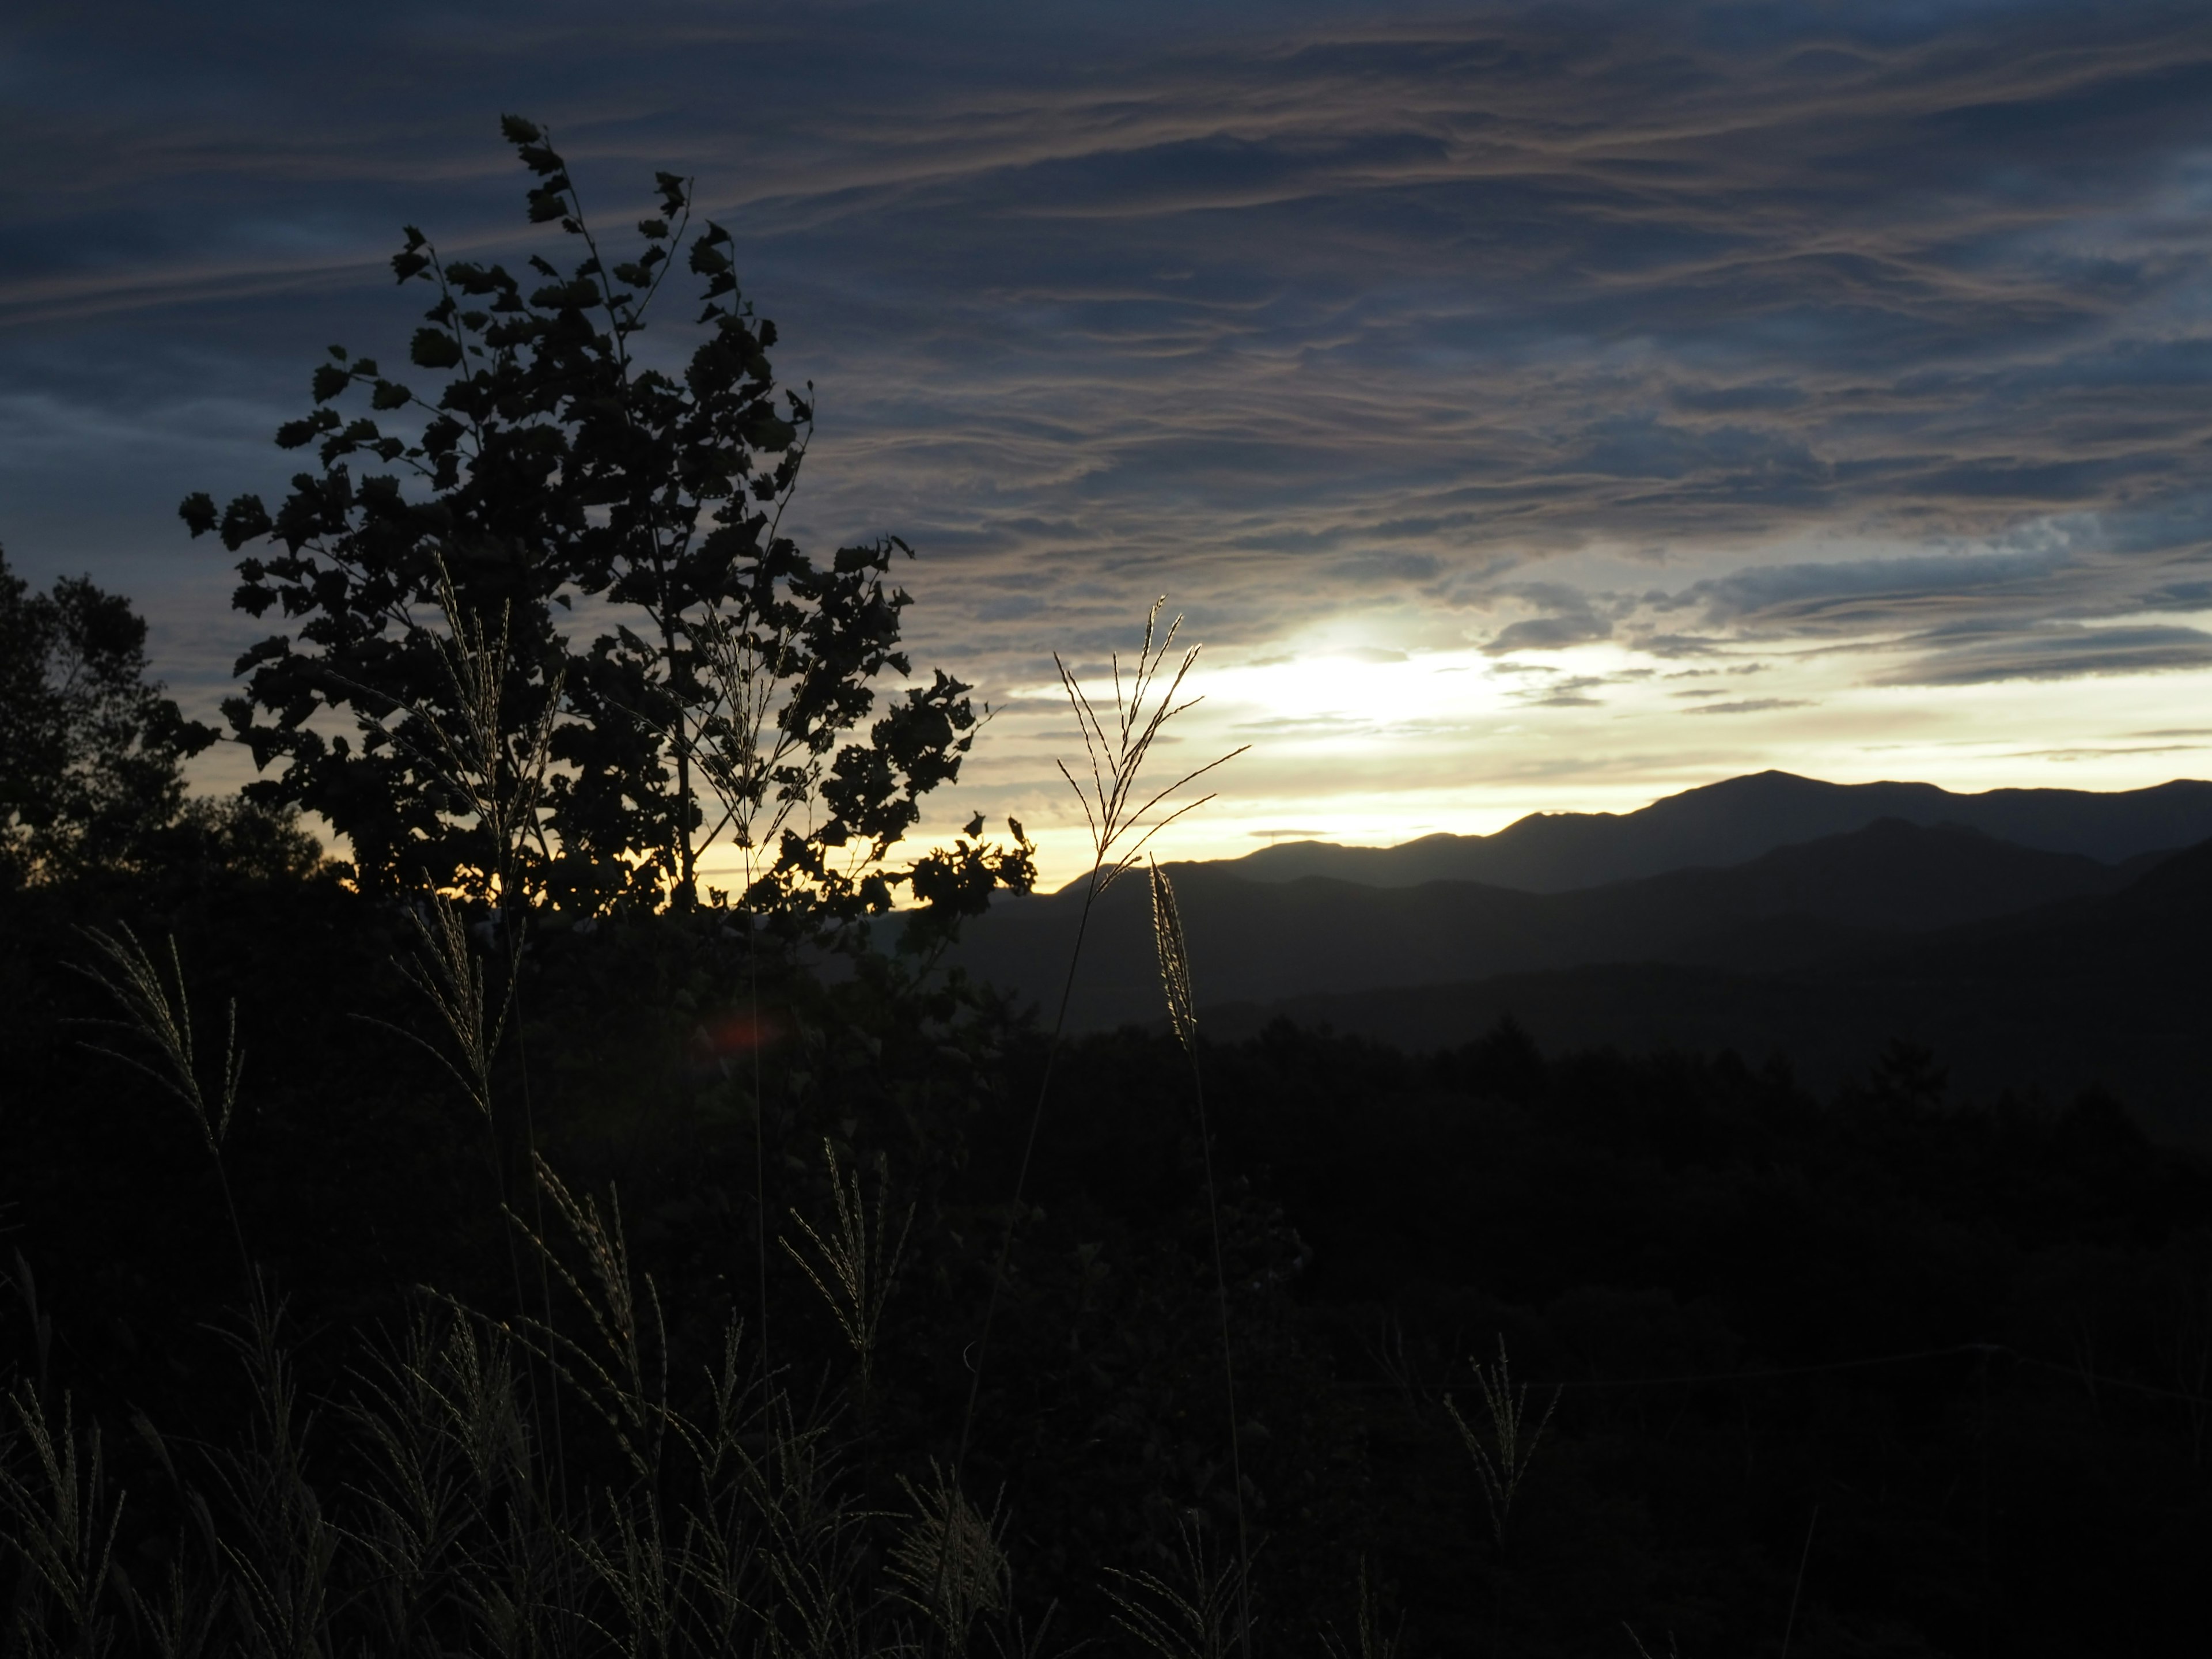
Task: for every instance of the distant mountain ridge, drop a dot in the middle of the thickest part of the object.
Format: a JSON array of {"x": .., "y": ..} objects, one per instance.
[
  {"x": 2036, "y": 940},
  {"x": 1729, "y": 822},
  {"x": 1262, "y": 942}
]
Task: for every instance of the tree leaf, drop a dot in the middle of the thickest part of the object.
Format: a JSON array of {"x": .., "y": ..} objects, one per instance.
[{"x": 434, "y": 348}]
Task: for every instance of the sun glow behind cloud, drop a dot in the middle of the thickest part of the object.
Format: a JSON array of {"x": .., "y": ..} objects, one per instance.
[
  {"x": 1365, "y": 744},
  {"x": 1350, "y": 748}
]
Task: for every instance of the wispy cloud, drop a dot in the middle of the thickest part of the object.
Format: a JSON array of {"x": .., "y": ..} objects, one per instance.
[
  {"x": 2058, "y": 651},
  {"x": 1647, "y": 329},
  {"x": 1748, "y": 706}
]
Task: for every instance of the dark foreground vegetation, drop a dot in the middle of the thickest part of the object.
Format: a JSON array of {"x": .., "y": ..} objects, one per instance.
[
  {"x": 1933, "y": 1373},
  {"x": 504, "y": 1243}
]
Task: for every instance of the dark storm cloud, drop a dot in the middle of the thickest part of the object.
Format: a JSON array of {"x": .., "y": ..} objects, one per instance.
[{"x": 1289, "y": 310}]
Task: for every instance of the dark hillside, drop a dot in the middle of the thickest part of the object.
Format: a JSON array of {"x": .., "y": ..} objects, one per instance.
[
  {"x": 2106, "y": 989},
  {"x": 1262, "y": 942}
]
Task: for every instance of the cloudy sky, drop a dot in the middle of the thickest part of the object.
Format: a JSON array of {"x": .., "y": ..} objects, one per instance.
[{"x": 1530, "y": 407}]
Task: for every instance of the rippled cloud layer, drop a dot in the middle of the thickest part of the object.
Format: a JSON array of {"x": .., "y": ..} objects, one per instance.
[{"x": 1857, "y": 358}]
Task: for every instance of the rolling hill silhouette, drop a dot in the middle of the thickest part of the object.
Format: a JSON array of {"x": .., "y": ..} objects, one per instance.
[
  {"x": 1726, "y": 823},
  {"x": 1262, "y": 942}
]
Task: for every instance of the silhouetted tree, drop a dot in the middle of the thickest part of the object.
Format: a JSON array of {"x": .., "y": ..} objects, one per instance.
[
  {"x": 91, "y": 751},
  {"x": 553, "y": 475}
]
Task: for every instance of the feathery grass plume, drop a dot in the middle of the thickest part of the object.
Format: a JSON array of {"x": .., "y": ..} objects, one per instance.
[
  {"x": 731, "y": 1536},
  {"x": 162, "y": 1017},
  {"x": 949, "y": 1561},
  {"x": 735, "y": 1453},
  {"x": 451, "y": 979},
  {"x": 620, "y": 1386},
  {"x": 1174, "y": 979},
  {"x": 1502, "y": 1463},
  {"x": 283, "y": 1555},
  {"x": 159, "y": 1013},
  {"x": 1116, "y": 746},
  {"x": 501, "y": 775},
  {"x": 628, "y": 1553},
  {"x": 60, "y": 1520},
  {"x": 859, "y": 1268},
  {"x": 1367, "y": 1640},
  {"x": 779, "y": 1547},
  {"x": 180, "y": 1621},
  {"x": 1175, "y": 960},
  {"x": 448, "y": 1452},
  {"x": 638, "y": 1573},
  {"x": 1199, "y": 1619}
]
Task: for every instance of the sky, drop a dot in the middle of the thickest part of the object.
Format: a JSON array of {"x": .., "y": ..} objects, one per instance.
[{"x": 1528, "y": 407}]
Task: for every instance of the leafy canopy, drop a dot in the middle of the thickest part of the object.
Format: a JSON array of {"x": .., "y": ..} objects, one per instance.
[{"x": 551, "y": 479}]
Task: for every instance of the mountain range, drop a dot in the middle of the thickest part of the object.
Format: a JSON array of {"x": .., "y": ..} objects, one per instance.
[
  {"x": 1725, "y": 823},
  {"x": 1799, "y": 920}
]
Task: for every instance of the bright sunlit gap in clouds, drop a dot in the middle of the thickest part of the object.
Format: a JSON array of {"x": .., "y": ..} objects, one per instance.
[
  {"x": 1367, "y": 745},
  {"x": 1350, "y": 746}
]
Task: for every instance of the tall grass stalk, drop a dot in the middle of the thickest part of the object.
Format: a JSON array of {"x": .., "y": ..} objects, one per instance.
[
  {"x": 1182, "y": 1017},
  {"x": 720, "y": 1522},
  {"x": 1797, "y": 1587},
  {"x": 284, "y": 1547},
  {"x": 61, "y": 1516},
  {"x": 1116, "y": 744},
  {"x": 453, "y": 979},
  {"x": 157, "y": 1012},
  {"x": 1197, "y": 1618},
  {"x": 858, "y": 1262},
  {"x": 1369, "y": 1639},
  {"x": 755, "y": 756},
  {"x": 1502, "y": 1458},
  {"x": 498, "y": 766},
  {"x": 949, "y": 1562}
]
